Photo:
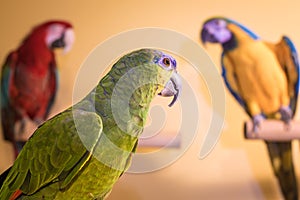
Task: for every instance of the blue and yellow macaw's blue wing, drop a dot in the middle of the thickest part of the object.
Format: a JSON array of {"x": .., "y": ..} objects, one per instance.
[
  {"x": 287, "y": 55},
  {"x": 244, "y": 28},
  {"x": 231, "y": 84}
]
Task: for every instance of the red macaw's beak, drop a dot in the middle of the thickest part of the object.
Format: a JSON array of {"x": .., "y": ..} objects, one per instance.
[
  {"x": 172, "y": 88},
  {"x": 69, "y": 38},
  {"x": 65, "y": 41}
]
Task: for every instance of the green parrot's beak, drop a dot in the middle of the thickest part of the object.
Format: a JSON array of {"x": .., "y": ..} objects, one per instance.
[{"x": 172, "y": 88}]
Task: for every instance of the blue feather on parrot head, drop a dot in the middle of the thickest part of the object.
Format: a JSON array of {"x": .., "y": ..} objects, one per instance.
[
  {"x": 173, "y": 86},
  {"x": 167, "y": 62},
  {"x": 215, "y": 30}
]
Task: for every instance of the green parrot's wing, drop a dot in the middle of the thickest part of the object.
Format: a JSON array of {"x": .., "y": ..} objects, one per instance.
[
  {"x": 55, "y": 152},
  {"x": 288, "y": 58}
]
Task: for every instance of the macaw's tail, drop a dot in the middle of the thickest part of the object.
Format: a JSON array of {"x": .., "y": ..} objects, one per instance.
[{"x": 280, "y": 154}]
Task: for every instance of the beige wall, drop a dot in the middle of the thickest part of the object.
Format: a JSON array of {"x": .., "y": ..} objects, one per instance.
[{"x": 236, "y": 169}]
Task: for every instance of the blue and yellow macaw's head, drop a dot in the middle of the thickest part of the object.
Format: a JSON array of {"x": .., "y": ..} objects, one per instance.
[
  {"x": 215, "y": 30},
  {"x": 221, "y": 30}
]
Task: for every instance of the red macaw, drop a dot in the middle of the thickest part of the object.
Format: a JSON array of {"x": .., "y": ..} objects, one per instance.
[{"x": 29, "y": 78}]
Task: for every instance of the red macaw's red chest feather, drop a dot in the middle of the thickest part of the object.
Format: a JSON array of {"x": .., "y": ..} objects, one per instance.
[{"x": 33, "y": 80}]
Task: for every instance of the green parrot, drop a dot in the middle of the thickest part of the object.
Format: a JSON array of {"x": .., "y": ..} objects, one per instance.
[
  {"x": 81, "y": 152},
  {"x": 264, "y": 78}
]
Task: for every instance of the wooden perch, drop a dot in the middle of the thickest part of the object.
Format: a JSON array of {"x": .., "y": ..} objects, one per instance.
[
  {"x": 273, "y": 130},
  {"x": 168, "y": 141}
]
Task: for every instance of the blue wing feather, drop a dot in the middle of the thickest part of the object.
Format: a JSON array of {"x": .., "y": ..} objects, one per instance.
[
  {"x": 4, "y": 85},
  {"x": 244, "y": 28},
  {"x": 5, "y": 80},
  {"x": 295, "y": 60},
  {"x": 8, "y": 115},
  {"x": 234, "y": 94}
]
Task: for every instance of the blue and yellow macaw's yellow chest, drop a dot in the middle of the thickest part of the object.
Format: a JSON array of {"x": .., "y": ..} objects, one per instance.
[
  {"x": 254, "y": 72},
  {"x": 264, "y": 78}
]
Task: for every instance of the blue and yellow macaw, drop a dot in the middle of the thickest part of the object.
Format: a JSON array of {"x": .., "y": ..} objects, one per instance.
[{"x": 263, "y": 77}]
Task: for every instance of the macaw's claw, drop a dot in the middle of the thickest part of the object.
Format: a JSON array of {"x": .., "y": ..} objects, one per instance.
[
  {"x": 286, "y": 116},
  {"x": 257, "y": 119}
]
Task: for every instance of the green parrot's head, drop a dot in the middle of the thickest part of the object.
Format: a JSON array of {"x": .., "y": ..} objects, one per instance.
[{"x": 151, "y": 67}]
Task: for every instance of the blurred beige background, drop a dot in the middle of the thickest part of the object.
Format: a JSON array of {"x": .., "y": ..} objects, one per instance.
[{"x": 236, "y": 168}]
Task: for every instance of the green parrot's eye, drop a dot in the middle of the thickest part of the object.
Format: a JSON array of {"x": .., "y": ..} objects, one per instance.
[{"x": 167, "y": 62}]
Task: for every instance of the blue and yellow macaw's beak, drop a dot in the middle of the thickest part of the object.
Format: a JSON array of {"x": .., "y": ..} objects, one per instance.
[{"x": 215, "y": 31}]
